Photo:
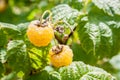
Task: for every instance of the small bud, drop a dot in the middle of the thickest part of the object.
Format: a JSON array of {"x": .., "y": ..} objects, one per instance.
[{"x": 60, "y": 29}]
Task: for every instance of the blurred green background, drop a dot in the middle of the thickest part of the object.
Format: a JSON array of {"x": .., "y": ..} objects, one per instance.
[{"x": 19, "y": 11}]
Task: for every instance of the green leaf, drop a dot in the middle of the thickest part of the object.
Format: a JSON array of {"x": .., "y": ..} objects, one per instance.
[
  {"x": 10, "y": 29},
  {"x": 39, "y": 56},
  {"x": 97, "y": 76},
  {"x": 81, "y": 71},
  {"x": 100, "y": 34},
  {"x": 35, "y": 57},
  {"x": 99, "y": 37},
  {"x": 54, "y": 76},
  {"x": 81, "y": 55},
  {"x": 17, "y": 56},
  {"x": 64, "y": 12},
  {"x": 110, "y": 7},
  {"x": 22, "y": 27}
]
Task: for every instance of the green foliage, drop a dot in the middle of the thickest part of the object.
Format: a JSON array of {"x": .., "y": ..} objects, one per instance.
[
  {"x": 99, "y": 37},
  {"x": 17, "y": 56},
  {"x": 75, "y": 71},
  {"x": 80, "y": 71},
  {"x": 99, "y": 31},
  {"x": 96, "y": 23},
  {"x": 9, "y": 29},
  {"x": 108, "y": 6}
]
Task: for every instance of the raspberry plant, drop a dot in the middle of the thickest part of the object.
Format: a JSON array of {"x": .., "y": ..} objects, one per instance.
[{"x": 91, "y": 28}]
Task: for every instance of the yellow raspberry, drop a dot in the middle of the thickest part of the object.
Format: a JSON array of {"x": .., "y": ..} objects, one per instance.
[
  {"x": 61, "y": 55},
  {"x": 40, "y": 34}
]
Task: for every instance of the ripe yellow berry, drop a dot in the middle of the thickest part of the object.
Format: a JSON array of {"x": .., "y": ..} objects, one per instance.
[
  {"x": 40, "y": 34},
  {"x": 61, "y": 55}
]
